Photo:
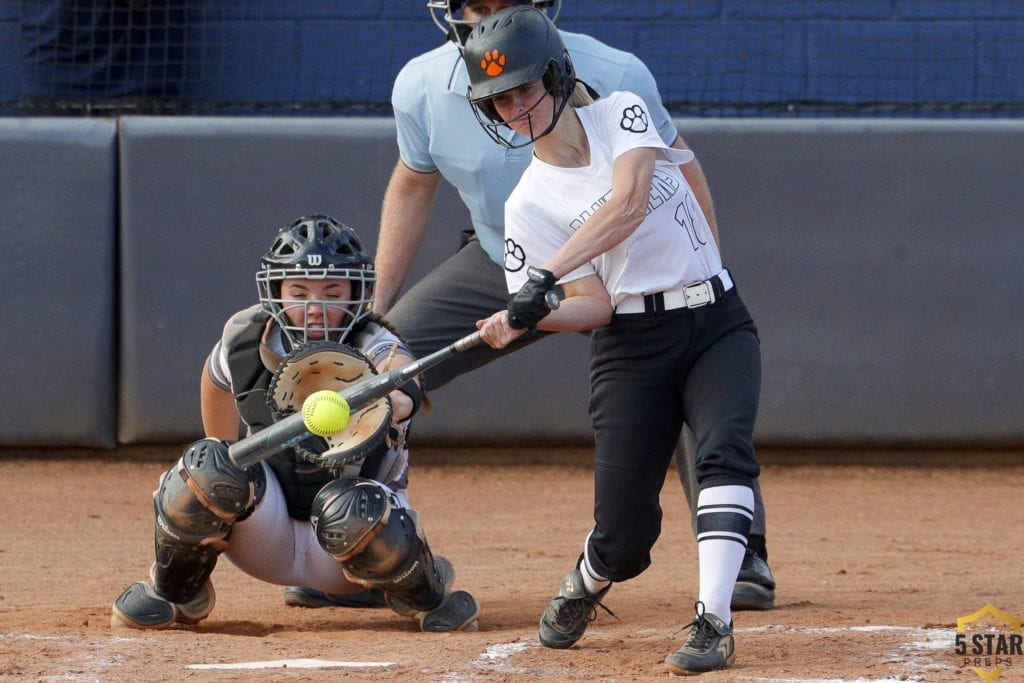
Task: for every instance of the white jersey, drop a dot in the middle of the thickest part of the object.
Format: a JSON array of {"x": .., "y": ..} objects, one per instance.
[
  {"x": 671, "y": 248},
  {"x": 438, "y": 131}
]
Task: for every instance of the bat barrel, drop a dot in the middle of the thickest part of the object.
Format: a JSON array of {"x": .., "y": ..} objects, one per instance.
[
  {"x": 267, "y": 441},
  {"x": 291, "y": 430}
]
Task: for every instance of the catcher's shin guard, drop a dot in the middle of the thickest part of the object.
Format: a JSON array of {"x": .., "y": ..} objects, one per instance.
[
  {"x": 377, "y": 544},
  {"x": 198, "y": 501}
]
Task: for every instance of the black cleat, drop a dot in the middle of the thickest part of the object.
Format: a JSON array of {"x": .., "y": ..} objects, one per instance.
[
  {"x": 139, "y": 606},
  {"x": 297, "y": 596},
  {"x": 755, "y": 585},
  {"x": 709, "y": 647},
  {"x": 458, "y": 612},
  {"x": 570, "y": 612}
]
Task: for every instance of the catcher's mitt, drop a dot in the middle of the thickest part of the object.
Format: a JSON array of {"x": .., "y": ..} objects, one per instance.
[{"x": 328, "y": 365}]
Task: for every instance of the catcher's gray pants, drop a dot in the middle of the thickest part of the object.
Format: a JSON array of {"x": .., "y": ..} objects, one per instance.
[
  {"x": 650, "y": 373},
  {"x": 274, "y": 547},
  {"x": 445, "y": 305}
]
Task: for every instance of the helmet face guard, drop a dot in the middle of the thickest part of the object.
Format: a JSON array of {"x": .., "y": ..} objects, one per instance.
[
  {"x": 448, "y": 16},
  {"x": 512, "y": 49},
  {"x": 316, "y": 248},
  {"x": 488, "y": 118}
]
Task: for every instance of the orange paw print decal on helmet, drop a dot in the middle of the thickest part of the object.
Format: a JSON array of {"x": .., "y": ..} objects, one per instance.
[{"x": 493, "y": 63}]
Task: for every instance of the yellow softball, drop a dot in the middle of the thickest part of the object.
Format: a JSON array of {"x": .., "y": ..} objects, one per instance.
[{"x": 325, "y": 412}]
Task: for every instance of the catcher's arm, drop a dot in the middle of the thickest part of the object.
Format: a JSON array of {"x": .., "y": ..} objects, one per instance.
[
  {"x": 220, "y": 413},
  {"x": 402, "y": 403}
]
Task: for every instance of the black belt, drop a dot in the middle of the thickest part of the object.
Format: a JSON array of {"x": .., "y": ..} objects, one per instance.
[{"x": 691, "y": 296}]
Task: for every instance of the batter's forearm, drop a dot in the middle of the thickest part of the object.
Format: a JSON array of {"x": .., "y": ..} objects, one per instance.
[
  {"x": 577, "y": 314},
  {"x": 616, "y": 219}
]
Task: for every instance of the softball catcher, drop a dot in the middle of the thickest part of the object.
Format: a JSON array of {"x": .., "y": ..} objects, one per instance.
[{"x": 330, "y": 514}]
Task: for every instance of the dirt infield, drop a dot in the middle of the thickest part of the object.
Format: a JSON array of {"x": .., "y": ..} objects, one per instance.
[{"x": 874, "y": 564}]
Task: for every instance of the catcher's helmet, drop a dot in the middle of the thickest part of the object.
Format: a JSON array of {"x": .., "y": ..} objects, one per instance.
[
  {"x": 316, "y": 247},
  {"x": 448, "y": 15},
  {"x": 511, "y": 49}
]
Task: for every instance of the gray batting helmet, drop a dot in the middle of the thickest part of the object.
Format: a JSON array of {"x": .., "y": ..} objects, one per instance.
[{"x": 510, "y": 49}]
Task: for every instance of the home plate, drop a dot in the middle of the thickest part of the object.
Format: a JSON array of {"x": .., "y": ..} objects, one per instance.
[{"x": 292, "y": 664}]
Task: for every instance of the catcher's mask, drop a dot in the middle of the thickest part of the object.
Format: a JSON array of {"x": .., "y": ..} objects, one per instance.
[
  {"x": 316, "y": 247},
  {"x": 512, "y": 49},
  {"x": 449, "y": 16}
]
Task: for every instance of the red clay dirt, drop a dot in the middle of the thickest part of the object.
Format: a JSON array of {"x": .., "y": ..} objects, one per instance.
[{"x": 874, "y": 566}]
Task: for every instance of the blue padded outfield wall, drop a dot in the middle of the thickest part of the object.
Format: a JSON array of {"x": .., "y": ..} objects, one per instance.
[
  {"x": 881, "y": 260},
  {"x": 58, "y": 195}
]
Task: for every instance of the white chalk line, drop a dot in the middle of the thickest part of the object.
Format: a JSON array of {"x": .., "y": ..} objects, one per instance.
[
  {"x": 912, "y": 651},
  {"x": 293, "y": 664},
  {"x": 270, "y": 664},
  {"x": 926, "y": 640},
  {"x": 501, "y": 651}
]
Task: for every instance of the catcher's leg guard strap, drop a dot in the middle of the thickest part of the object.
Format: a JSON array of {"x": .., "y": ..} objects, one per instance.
[
  {"x": 182, "y": 569},
  {"x": 377, "y": 546},
  {"x": 398, "y": 561},
  {"x": 198, "y": 501}
]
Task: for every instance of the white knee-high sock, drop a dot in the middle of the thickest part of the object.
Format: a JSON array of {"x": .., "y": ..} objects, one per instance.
[{"x": 724, "y": 514}]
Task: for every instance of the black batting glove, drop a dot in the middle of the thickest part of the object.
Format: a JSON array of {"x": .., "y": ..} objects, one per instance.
[{"x": 534, "y": 300}]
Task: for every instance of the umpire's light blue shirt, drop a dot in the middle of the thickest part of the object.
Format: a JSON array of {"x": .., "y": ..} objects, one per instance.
[{"x": 437, "y": 130}]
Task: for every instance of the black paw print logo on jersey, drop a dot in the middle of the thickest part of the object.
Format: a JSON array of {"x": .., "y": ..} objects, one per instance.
[
  {"x": 634, "y": 119},
  {"x": 515, "y": 257}
]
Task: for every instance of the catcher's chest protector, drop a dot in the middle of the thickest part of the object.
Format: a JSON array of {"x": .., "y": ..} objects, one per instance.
[
  {"x": 299, "y": 480},
  {"x": 249, "y": 377},
  {"x": 300, "y": 472}
]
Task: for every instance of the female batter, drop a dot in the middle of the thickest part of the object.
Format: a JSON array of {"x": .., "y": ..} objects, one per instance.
[
  {"x": 291, "y": 520},
  {"x": 604, "y": 211}
]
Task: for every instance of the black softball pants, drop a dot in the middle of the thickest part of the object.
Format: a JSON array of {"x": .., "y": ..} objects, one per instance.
[{"x": 650, "y": 372}]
